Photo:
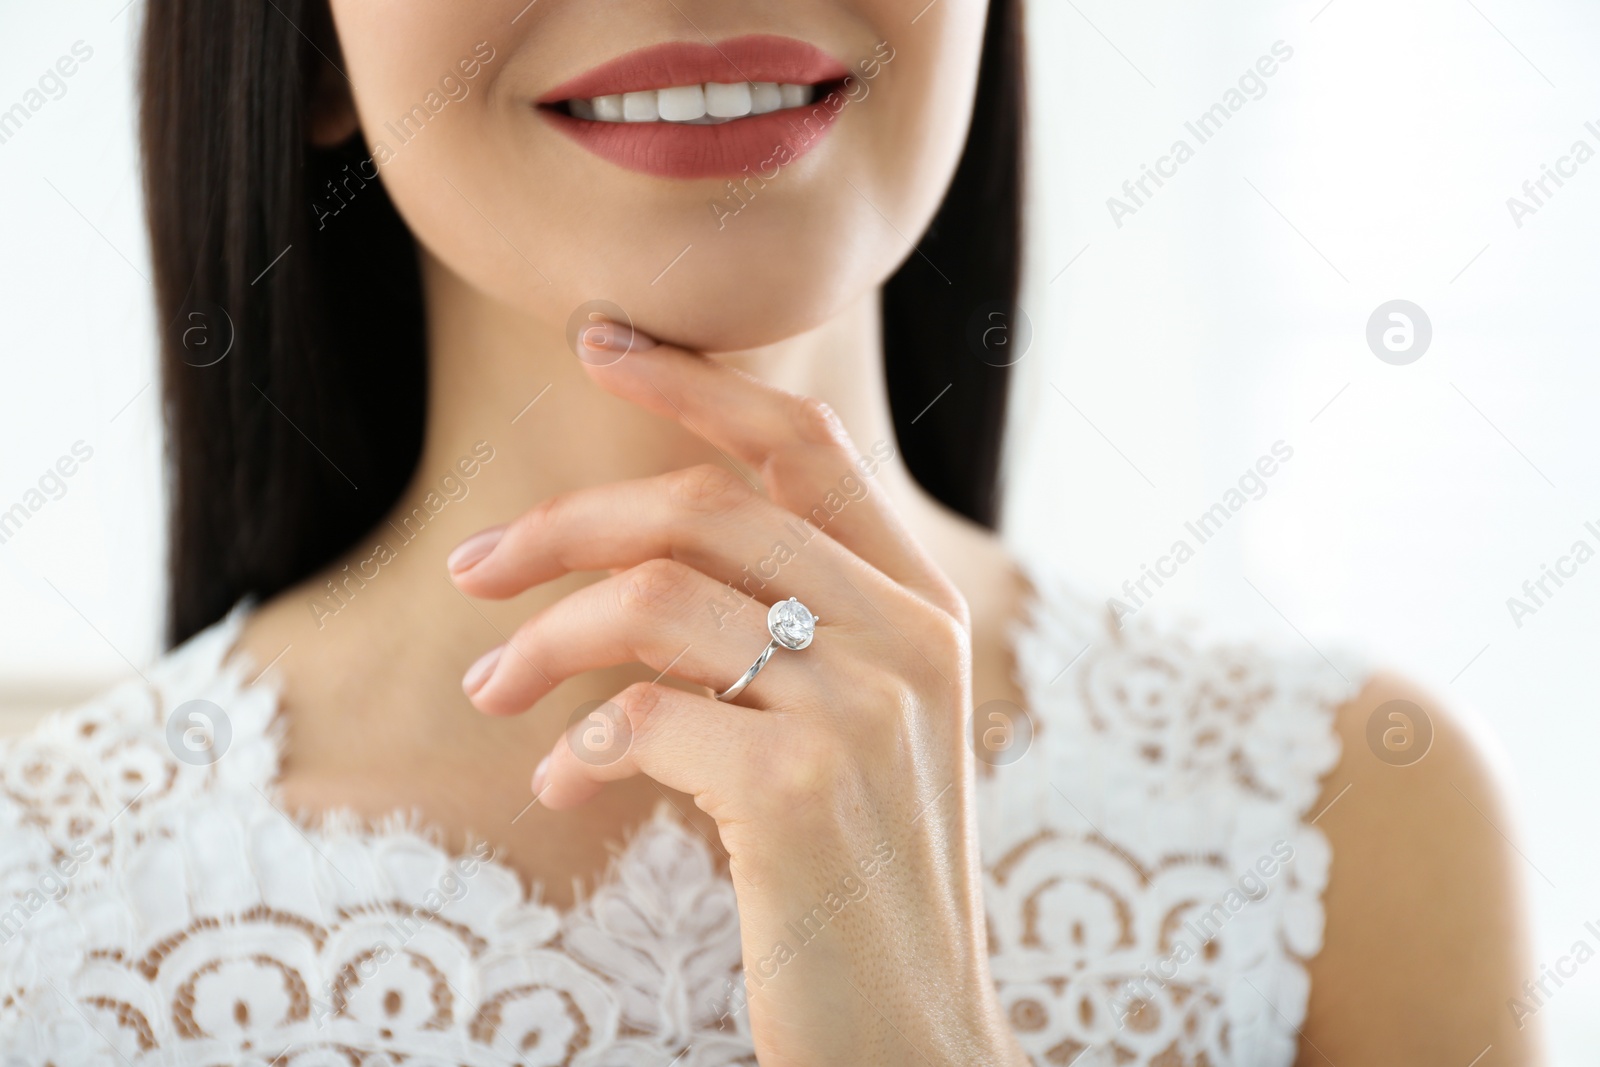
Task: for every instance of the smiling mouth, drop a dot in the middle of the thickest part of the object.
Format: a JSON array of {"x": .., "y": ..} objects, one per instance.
[
  {"x": 705, "y": 104},
  {"x": 699, "y": 110}
]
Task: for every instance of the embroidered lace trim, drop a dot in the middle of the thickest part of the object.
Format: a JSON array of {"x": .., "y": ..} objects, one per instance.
[{"x": 164, "y": 911}]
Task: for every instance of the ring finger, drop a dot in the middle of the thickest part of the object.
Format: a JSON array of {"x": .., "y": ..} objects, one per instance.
[{"x": 661, "y": 613}]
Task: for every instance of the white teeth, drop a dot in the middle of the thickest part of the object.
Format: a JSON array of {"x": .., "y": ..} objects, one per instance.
[
  {"x": 727, "y": 101},
  {"x": 765, "y": 97},
  {"x": 640, "y": 107},
  {"x": 683, "y": 103},
  {"x": 713, "y": 102}
]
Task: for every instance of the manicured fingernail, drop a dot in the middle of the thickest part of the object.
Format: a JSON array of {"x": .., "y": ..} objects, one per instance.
[
  {"x": 539, "y": 773},
  {"x": 471, "y": 551},
  {"x": 615, "y": 337},
  {"x": 479, "y": 672}
]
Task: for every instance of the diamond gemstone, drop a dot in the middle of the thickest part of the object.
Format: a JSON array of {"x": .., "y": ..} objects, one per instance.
[{"x": 791, "y": 624}]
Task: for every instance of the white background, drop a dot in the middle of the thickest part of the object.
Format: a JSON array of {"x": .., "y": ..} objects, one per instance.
[{"x": 1227, "y": 313}]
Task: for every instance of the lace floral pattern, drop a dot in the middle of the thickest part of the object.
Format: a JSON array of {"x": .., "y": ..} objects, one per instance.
[
  {"x": 1153, "y": 889},
  {"x": 163, "y": 912}
]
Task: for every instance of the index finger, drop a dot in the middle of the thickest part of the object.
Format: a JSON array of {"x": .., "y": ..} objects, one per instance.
[{"x": 796, "y": 445}]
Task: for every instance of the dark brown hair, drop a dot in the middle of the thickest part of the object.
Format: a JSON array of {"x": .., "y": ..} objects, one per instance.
[{"x": 295, "y": 443}]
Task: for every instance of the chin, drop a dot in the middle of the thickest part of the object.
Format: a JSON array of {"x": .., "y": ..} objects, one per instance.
[
  {"x": 785, "y": 267},
  {"x": 735, "y": 292}
]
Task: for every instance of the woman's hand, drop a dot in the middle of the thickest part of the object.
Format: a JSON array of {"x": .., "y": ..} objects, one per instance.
[{"x": 840, "y": 781}]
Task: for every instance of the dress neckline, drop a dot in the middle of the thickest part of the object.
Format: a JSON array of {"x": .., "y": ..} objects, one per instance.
[
  {"x": 254, "y": 760},
  {"x": 253, "y": 763}
]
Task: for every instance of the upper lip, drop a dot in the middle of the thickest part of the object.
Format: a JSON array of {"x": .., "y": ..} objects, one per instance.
[{"x": 756, "y": 58}]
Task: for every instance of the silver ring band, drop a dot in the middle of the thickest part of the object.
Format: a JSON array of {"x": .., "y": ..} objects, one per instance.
[
  {"x": 792, "y": 626},
  {"x": 750, "y": 675}
]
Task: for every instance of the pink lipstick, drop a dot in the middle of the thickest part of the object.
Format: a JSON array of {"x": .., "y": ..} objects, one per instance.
[{"x": 686, "y": 110}]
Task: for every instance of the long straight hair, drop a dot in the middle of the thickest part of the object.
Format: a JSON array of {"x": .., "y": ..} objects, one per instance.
[{"x": 293, "y": 357}]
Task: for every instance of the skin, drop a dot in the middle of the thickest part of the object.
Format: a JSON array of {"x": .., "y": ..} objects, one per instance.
[
  {"x": 621, "y": 525},
  {"x": 1425, "y": 932}
]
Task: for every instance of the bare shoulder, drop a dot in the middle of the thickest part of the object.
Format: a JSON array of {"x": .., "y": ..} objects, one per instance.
[{"x": 1426, "y": 939}]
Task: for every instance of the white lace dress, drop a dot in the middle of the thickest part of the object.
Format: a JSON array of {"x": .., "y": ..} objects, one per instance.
[{"x": 1153, "y": 887}]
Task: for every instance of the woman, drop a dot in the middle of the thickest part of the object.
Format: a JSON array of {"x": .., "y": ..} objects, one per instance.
[{"x": 460, "y": 501}]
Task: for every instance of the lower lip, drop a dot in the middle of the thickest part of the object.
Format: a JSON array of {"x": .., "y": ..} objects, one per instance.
[{"x": 754, "y": 144}]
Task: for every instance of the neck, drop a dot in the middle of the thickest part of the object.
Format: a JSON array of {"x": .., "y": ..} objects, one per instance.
[{"x": 499, "y": 377}]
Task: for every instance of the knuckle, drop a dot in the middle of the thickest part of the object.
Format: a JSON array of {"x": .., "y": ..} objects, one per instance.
[
  {"x": 707, "y": 487},
  {"x": 956, "y": 605},
  {"x": 541, "y": 517},
  {"x": 810, "y": 767},
  {"x": 888, "y": 692},
  {"x": 653, "y": 585},
  {"x": 639, "y": 702},
  {"x": 947, "y": 637},
  {"x": 893, "y": 704},
  {"x": 816, "y": 423}
]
